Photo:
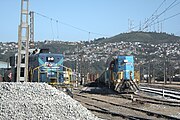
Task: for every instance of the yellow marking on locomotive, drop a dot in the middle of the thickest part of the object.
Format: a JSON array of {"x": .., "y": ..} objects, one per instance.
[
  {"x": 137, "y": 76},
  {"x": 120, "y": 75}
]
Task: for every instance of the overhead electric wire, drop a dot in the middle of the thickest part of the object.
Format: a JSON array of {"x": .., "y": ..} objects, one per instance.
[
  {"x": 83, "y": 29},
  {"x": 153, "y": 19},
  {"x": 168, "y": 8},
  {"x": 174, "y": 5},
  {"x": 150, "y": 16},
  {"x": 166, "y": 18},
  {"x": 80, "y": 29},
  {"x": 154, "y": 12}
]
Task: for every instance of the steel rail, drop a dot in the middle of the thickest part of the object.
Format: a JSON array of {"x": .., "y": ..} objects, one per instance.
[
  {"x": 150, "y": 113},
  {"x": 106, "y": 111},
  {"x": 163, "y": 92}
]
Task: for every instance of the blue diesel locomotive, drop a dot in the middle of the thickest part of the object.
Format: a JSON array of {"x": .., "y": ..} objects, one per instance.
[
  {"x": 43, "y": 67},
  {"x": 46, "y": 67},
  {"x": 120, "y": 75}
]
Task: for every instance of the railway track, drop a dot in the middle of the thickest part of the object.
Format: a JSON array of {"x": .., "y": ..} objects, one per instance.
[
  {"x": 173, "y": 86},
  {"x": 107, "y": 113},
  {"x": 116, "y": 114},
  {"x": 147, "y": 99},
  {"x": 163, "y": 92},
  {"x": 142, "y": 98},
  {"x": 104, "y": 106}
]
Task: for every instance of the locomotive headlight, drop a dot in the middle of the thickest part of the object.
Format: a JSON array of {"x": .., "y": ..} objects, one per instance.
[
  {"x": 125, "y": 61},
  {"x": 50, "y": 59}
]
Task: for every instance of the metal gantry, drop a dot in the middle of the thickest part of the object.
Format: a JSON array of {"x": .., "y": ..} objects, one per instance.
[
  {"x": 31, "y": 30},
  {"x": 23, "y": 43}
]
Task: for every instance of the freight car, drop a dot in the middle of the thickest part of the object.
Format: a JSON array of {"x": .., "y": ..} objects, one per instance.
[{"x": 120, "y": 75}]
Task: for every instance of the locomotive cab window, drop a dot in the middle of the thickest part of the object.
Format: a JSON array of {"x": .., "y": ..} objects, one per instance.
[{"x": 50, "y": 59}]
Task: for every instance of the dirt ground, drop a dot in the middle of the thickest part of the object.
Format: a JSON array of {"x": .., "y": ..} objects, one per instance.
[{"x": 157, "y": 108}]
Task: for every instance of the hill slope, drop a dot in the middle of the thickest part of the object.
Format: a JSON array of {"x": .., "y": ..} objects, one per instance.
[{"x": 145, "y": 37}]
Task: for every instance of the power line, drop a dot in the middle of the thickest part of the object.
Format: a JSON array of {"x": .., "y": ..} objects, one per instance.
[
  {"x": 154, "y": 12},
  {"x": 153, "y": 19},
  {"x": 168, "y": 8},
  {"x": 174, "y": 5},
  {"x": 166, "y": 18},
  {"x": 146, "y": 24},
  {"x": 83, "y": 29},
  {"x": 77, "y": 28}
]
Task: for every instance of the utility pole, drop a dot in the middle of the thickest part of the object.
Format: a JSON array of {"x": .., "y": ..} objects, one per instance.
[
  {"x": 142, "y": 72},
  {"x": 31, "y": 44},
  {"x": 158, "y": 27},
  {"x": 77, "y": 65},
  {"x": 165, "y": 81},
  {"x": 80, "y": 61},
  {"x": 170, "y": 71},
  {"x": 130, "y": 25},
  {"x": 179, "y": 66},
  {"x": 23, "y": 43},
  {"x": 149, "y": 73},
  {"x": 140, "y": 26},
  {"x": 81, "y": 69},
  {"x": 89, "y": 33},
  {"x": 152, "y": 71}
]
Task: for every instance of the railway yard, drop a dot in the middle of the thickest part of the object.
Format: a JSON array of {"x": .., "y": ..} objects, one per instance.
[
  {"x": 107, "y": 104},
  {"x": 90, "y": 102},
  {"x": 126, "y": 76},
  {"x": 39, "y": 101}
]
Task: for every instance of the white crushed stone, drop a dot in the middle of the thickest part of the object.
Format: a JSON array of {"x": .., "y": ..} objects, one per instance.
[{"x": 32, "y": 101}]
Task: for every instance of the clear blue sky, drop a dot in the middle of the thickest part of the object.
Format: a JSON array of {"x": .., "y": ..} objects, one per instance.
[{"x": 108, "y": 17}]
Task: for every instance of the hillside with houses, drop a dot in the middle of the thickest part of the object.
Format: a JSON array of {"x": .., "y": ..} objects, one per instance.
[{"x": 148, "y": 49}]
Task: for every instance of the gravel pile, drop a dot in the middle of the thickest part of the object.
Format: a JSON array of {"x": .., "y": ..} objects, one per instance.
[{"x": 32, "y": 101}]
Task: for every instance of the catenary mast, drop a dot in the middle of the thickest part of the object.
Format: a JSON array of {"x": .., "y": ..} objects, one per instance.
[
  {"x": 31, "y": 44},
  {"x": 23, "y": 43}
]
